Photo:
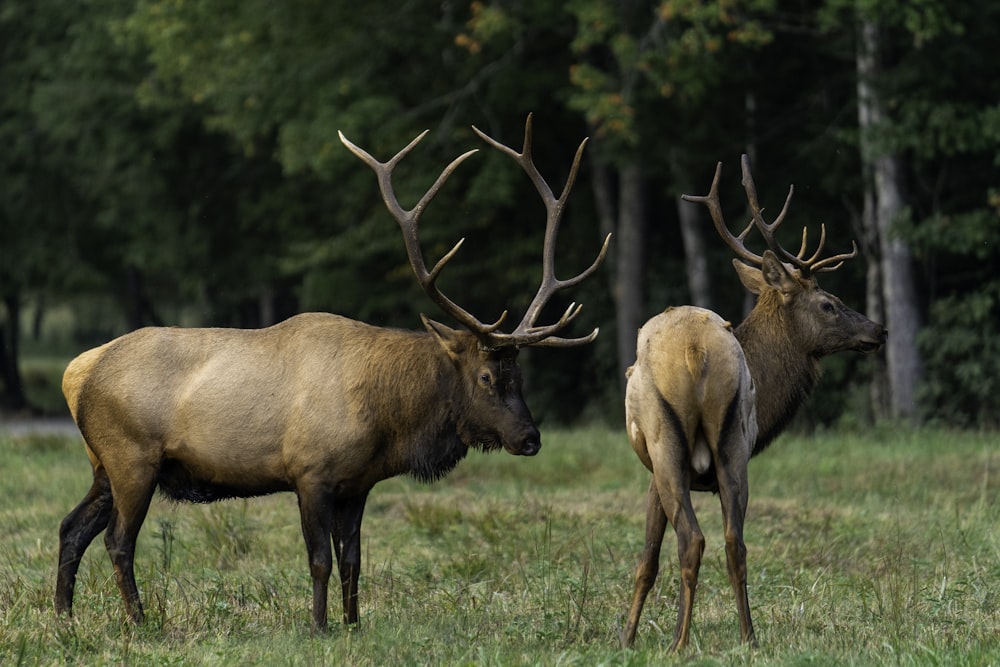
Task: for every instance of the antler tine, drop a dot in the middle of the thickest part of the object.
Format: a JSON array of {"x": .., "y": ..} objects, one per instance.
[
  {"x": 526, "y": 333},
  {"x": 736, "y": 243},
  {"x": 806, "y": 266},
  {"x": 711, "y": 202},
  {"x": 823, "y": 266},
  {"x": 819, "y": 248},
  {"x": 408, "y": 222},
  {"x": 767, "y": 230}
]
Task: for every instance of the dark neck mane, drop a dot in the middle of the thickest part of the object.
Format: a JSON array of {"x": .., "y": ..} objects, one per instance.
[
  {"x": 783, "y": 373},
  {"x": 418, "y": 424}
]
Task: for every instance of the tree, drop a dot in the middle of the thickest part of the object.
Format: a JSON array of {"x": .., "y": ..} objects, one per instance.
[
  {"x": 298, "y": 74},
  {"x": 929, "y": 146},
  {"x": 884, "y": 195},
  {"x": 639, "y": 63},
  {"x": 35, "y": 202},
  {"x": 189, "y": 166}
]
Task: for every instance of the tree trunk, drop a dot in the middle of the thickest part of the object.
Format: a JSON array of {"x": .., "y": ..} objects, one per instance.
[
  {"x": 12, "y": 394},
  {"x": 878, "y": 388},
  {"x": 695, "y": 260},
  {"x": 896, "y": 263},
  {"x": 266, "y": 306},
  {"x": 629, "y": 289},
  {"x": 899, "y": 294}
]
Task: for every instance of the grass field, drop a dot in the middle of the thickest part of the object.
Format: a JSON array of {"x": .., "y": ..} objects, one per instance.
[{"x": 880, "y": 548}]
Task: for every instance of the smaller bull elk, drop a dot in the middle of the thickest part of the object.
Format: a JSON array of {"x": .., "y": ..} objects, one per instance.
[
  {"x": 702, "y": 399},
  {"x": 319, "y": 404}
]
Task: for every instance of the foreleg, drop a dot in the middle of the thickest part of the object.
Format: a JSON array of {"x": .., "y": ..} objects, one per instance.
[
  {"x": 690, "y": 547},
  {"x": 347, "y": 518},
  {"x": 317, "y": 519}
]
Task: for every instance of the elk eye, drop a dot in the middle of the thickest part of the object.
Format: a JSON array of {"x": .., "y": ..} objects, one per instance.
[
  {"x": 827, "y": 307},
  {"x": 485, "y": 379}
]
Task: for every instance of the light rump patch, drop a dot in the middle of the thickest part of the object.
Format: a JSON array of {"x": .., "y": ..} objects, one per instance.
[{"x": 701, "y": 399}]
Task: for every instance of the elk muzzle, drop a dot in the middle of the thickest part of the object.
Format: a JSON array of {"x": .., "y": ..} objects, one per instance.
[
  {"x": 872, "y": 340},
  {"x": 526, "y": 444}
]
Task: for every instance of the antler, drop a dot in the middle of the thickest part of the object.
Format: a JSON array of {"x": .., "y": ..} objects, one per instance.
[
  {"x": 408, "y": 221},
  {"x": 807, "y": 267},
  {"x": 527, "y": 332}
]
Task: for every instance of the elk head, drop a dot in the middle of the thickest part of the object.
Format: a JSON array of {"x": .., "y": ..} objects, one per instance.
[
  {"x": 785, "y": 283},
  {"x": 483, "y": 355}
]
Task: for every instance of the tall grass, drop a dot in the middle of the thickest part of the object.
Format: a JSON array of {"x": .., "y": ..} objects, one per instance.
[{"x": 864, "y": 549}]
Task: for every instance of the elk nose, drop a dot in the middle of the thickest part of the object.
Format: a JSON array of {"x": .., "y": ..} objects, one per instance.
[{"x": 531, "y": 443}]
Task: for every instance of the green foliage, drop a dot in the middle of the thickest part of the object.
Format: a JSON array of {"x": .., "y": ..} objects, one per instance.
[
  {"x": 668, "y": 54},
  {"x": 962, "y": 357},
  {"x": 177, "y": 161},
  {"x": 960, "y": 350},
  {"x": 867, "y": 549}
]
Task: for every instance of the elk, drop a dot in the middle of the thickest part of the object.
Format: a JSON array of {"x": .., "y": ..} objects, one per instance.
[
  {"x": 702, "y": 398},
  {"x": 320, "y": 405}
]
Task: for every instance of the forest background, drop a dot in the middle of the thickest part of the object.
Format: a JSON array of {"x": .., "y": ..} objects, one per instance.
[{"x": 176, "y": 162}]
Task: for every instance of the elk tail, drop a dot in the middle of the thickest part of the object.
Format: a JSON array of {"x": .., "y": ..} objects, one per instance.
[{"x": 696, "y": 359}]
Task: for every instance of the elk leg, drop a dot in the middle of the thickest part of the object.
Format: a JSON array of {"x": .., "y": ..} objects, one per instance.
[
  {"x": 347, "y": 516},
  {"x": 131, "y": 502},
  {"x": 316, "y": 515},
  {"x": 733, "y": 495},
  {"x": 690, "y": 547},
  {"x": 645, "y": 576},
  {"x": 672, "y": 479},
  {"x": 76, "y": 532}
]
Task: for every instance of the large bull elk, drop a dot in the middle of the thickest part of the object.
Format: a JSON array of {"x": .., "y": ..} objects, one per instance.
[
  {"x": 702, "y": 399},
  {"x": 320, "y": 405}
]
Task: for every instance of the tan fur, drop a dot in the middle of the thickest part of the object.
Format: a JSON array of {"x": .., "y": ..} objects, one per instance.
[
  {"x": 678, "y": 352},
  {"x": 319, "y": 404},
  {"x": 693, "y": 372},
  {"x": 690, "y": 410},
  {"x": 692, "y": 377},
  {"x": 701, "y": 400}
]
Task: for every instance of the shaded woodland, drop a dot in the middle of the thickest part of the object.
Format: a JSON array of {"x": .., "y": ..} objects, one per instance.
[{"x": 176, "y": 162}]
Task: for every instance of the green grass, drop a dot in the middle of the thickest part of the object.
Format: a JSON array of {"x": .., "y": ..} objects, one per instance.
[{"x": 873, "y": 549}]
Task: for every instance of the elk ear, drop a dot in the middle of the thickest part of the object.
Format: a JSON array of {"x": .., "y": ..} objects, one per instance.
[
  {"x": 777, "y": 275},
  {"x": 749, "y": 276},
  {"x": 449, "y": 339}
]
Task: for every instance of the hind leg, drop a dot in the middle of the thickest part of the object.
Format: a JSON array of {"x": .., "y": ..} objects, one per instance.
[
  {"x": 668, "y": 499},
  {"x": 76, "y": 532},
  {"x": 672, "y": 476},
  {"x": 690, "y": 547},
  {"x": 649, "y": 564},
  {"x": 132, "y": 496},
  {"x": 733, "y": 495}
]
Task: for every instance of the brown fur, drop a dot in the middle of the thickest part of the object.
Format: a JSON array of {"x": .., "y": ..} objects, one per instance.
[
  {"x": 319, "y": 404},
  {"x": 701, "y": 400}
]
